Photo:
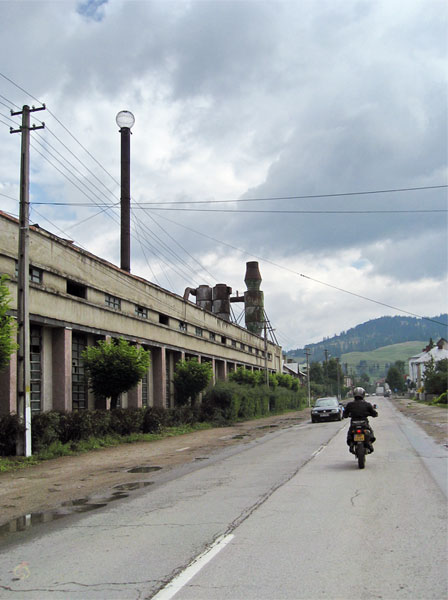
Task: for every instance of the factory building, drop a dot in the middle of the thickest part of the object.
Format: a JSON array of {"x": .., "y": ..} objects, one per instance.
[{"x": 77, "y": 298}]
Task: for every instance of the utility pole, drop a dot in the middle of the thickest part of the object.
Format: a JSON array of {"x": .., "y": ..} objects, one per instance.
[
  {"x": 339, "y": 384},
  {"x": 266, "y": 352},
  {"x": 308, "y": 352},
  {"x": 23, "y": 316},
  {"x": 326, "y": 371}
]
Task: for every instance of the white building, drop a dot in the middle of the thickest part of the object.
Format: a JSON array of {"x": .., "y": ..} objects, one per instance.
[{"x": 417, "y": 364}]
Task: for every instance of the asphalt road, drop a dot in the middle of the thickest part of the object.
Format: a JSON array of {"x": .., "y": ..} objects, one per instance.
[{"x": 285, "y": 516}]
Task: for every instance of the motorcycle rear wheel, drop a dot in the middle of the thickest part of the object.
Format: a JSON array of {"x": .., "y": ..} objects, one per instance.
[{"x": 361, "y": 455}]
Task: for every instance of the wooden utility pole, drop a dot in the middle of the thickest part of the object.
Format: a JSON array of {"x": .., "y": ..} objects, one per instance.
[
  {"x": 308, "y": 352},
  {"x": 23, "y": 317},
  {"x": 266, "y": 352}
]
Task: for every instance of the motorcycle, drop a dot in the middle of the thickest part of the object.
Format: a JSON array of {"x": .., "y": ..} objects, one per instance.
[{"x": 361, "y": 445}]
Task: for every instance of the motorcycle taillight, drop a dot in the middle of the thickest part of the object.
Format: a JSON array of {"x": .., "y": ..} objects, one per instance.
[{"x": 359, "y": 431}]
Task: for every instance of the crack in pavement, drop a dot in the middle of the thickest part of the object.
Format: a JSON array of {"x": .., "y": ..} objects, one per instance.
[{"x": 352, "y": 499}]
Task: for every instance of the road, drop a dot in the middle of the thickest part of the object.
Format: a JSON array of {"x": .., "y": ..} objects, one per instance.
[{"x": 286, "y": 516}]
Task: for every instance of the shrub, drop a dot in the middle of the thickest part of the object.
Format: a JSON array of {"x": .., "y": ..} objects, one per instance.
[
  {"x": 10, "y": 428},
  {"x": 222, "y": 401},
  {"x": 155, "y": 418},
  {"x": 190, "y": 378},
  {"x": 45, "y": 429},
  {"x": 125, "y": 421},
  {"x": 442, "y": 399},
  {"x": 244, "y": 376}
]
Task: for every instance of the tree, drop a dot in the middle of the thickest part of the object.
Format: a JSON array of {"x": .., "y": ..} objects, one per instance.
[
  {"x": 316, "y": 373},
  {"x": 114, "y": 367},
  {"x": 7, "y": 325},
  {"x": 190, "y": 378},
  {"x": 395, "y": 379},
  {"x": 436, "y": 376}
]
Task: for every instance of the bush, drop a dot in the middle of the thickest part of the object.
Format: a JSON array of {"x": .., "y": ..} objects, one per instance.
[
  {"x": 45, "y": 430},
  {"x": 442, "y": 399},
  {"x": 190, "y": 378},
  {"x": 155, "y": 418},
  {"x": 10, "y": 428},
  {"x": 125, "y": 421}
]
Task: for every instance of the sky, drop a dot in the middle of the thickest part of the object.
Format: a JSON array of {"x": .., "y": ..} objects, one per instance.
[{"x": 257, "y": 125}]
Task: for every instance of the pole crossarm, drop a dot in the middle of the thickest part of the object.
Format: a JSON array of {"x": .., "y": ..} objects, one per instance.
[{"x": 29, "y": 110}]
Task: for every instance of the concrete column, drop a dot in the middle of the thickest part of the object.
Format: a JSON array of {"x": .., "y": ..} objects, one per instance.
[
  {"x": 62, "y": 369},
  {"x": 134, "y": 396},
  {"x": 221, "y": 369},
  {"x": 176, "y": 356},
  {"x": 159, "y": 376},
  {"x": 8, "y": 387}
]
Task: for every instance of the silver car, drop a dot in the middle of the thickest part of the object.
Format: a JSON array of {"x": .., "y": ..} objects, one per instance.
[{"x": 327, "y": 409}]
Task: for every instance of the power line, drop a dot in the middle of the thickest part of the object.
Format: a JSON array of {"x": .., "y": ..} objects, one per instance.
[
  {"x": 306, "y": 197},
  {"x": 306, "y": 276}
]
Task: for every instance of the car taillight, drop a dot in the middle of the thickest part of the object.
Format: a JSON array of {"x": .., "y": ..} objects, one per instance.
[{"x": 359, "y": 431}]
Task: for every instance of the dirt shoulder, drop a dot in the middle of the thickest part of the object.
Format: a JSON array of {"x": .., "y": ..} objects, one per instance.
[
  {"x": 72, "y": 479},
  {"x": 432, "y": 419},
  {"x": 60, "y": 481}
]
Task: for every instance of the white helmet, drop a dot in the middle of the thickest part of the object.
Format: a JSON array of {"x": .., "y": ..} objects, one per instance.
[{"x": 359, "y": 392}]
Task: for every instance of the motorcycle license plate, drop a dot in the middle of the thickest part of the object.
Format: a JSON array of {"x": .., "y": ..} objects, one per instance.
[{"x": 358, "y": 437}]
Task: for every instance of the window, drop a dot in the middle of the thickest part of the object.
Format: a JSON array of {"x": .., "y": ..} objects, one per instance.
[
  {"x": 76, "y": 289},
  {"x": 250, "y": 349},
  {"x": 145, "y": 389},
  {"x": 182, "y": 326},
  {"x": 243, "y": 347},
  {"x": 35, "y": 273},
  {"x": 198, "y": 331},
  {"x": 36, "y": 369},
  {"x": 141, "y": 311},
  {"x": 269, "y": 356},
  {"x": 234, "y": 343},
  {"x": 79, "y": 379},
  {"x": 112, "y": 301},
  {"x": 212, "y": 336},
  {"x": 223, "y": 340},
  {"x": 164, "y": 319}
]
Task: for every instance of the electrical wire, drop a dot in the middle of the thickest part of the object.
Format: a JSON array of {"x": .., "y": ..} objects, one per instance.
[{"x": 305, "y": 276}]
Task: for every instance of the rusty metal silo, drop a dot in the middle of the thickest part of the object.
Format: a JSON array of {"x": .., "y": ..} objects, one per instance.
[
  {"x": 254, "y": 299},
  {"x": 204, "y": 297},
  {"x": 221, "y": 301}
]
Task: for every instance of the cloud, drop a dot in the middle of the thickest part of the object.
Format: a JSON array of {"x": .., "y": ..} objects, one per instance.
[{"x": 239, "y": 100}]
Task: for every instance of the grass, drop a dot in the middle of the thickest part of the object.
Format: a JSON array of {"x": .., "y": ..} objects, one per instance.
[
  {"x": 57, "y": 449},
  {"x": 382, "y": 356}
]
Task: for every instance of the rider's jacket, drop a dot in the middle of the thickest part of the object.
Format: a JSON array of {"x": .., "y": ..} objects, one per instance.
[{"x": 359, "y": 409}]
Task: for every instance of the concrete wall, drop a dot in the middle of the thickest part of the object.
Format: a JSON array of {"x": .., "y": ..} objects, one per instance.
[{"x": 60, "y": 312}]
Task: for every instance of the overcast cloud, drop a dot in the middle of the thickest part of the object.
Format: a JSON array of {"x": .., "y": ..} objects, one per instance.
[{"x": 239, "y": 101}]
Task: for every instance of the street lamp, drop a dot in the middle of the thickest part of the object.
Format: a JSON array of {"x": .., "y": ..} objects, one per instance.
[{"x": 125, "y": 120}]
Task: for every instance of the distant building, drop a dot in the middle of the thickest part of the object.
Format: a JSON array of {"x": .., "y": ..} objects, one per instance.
[
  {"x": 417, "y": 364},
  {"x": 293, "y": 369},
  {"x": 77, "y": 298}
]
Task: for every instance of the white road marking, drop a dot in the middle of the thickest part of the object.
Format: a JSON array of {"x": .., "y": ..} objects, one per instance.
[
  {"x": 193, "y": 568},
  {"x": 318, "y": 451},
  {"x": 182, "y": 449}
]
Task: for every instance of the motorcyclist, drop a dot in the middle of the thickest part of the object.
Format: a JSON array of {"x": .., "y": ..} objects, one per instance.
[{"x": 359, "y": 409}]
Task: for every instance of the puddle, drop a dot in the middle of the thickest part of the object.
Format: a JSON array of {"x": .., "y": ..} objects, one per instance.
[
  {"x": 201, "y": 458},
  {"x": 238, "y": 437},
  {"x": 267, "y": 427},
  {"x": 71, "y": 507},
  {"x": 135, "y": 485},
  {"x": 143, "y": 469},
  {"x": 31, "y": 520}
]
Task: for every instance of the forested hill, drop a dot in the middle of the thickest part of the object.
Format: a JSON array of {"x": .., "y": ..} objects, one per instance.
[{"x": 377, "y": 333}]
